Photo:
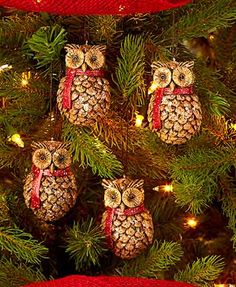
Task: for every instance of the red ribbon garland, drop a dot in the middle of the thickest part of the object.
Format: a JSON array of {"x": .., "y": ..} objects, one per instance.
[
  {"x": 38, "y": 173},
  {"x": 160, "y": 92},
  {"x": 70, "y": 74},
  {"x": 110, "y": 214}
]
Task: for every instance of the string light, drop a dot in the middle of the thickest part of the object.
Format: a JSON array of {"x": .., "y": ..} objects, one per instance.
[
  {"x": 25, "y": 76},
  {"x": 139, "y": 120},
  {"x": 167, "y": 188},
  {"x": 192, "y": 222},
  {"x": 233, "y": 126},
  {"x": 4, "y": 67},
  {"x": 16, "y": 138}
]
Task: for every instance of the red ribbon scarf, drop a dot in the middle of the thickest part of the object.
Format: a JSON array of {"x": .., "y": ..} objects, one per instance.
[
  {"x": 38, "y": 173},
  {"x": 110, "y": 214},
  {"x": 70, "y": 74},
  {"x": 160, "y": 92}
]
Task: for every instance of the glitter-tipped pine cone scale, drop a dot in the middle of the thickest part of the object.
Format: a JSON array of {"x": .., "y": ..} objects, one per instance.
[
  {"x": 50, "y": 188},
  {"x": 174, "y": 111},
  {"x": 83, "y": 95},
  {"x": 127, "y": 224}
]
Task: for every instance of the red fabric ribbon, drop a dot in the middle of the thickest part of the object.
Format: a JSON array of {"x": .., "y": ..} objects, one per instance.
[
  {"x": 94, "y": 7},
  {"x": 108, "y": 281},
  {"x": 110, "y": 214},
  {"x": 38, "y": 173},
  {"x": 70, "y": 74},
  {"x": 160, "y": 92}
]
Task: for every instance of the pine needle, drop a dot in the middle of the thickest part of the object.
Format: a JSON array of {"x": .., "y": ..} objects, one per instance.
[
  {"x": 85, "y": 244},
  {"x": 202, "y": 271},
  {"x": 161, "y": 256},
  {"x": 12, "y": 275},
  {"x": 22, "y": 245}
]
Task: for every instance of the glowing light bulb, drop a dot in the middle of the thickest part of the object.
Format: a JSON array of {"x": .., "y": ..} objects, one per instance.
[
  {"x": 192, "y": 222},
  {"x": 6, "y": 66},
  {"x": 25, "y": 76},
  {"x": 152, "y": 88},
  {"x": 233, "y": 126},
  {"x": 168, "y": 188},
  {"x": 17, "y": 140},
  {"x": 139, "y": 120}
]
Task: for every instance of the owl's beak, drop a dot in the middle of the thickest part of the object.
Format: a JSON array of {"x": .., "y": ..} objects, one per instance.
[
  {"x": 51, "y": 168},
  {"x": 122, "y": 207},
  {"x": 84, "y": 67},
  {"x": 172, "y": 86}
]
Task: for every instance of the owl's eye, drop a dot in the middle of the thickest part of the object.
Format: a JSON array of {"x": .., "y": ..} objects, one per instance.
[
  {"x": 62, "y": 158},
  {"x": 74, "y": 58},
  {"x": 183, "y": 76},
  {"x": 42, "y": 158},
  {"x": 112, "y": 198},
  {"x": 94, "y": 59},
  {"x": 162, "y": 76},
  {"x": 133, "y": 197}
]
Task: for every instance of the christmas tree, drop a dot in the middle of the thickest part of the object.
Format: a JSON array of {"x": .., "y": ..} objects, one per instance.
[{"x": 190, "y": 187}]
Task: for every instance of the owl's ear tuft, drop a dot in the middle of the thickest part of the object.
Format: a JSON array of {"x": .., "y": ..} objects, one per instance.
[
  {"x": 107, "y": 183},
  {"x": 37, "y": 145},
  {"x": 137, "y": 183},
  {"x": 102, "y": 48},
  {"x": 156, "y": 65},
  {"x": 188, "y": 64},
  {"x": 71, "y": 47},
  {"x": 65, "y": 145}
]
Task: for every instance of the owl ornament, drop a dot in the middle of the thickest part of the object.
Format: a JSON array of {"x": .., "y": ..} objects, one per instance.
[
  {"x": 174, "y": 111},
  {"x": 50, "y": 188},
  {"x": 127, "y": 225},
  {"x": 84, "y": 94}
]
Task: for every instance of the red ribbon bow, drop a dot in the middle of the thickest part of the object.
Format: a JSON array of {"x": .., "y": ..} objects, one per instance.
[
  {"x": 110, "y": 214},
  {"x": 160, "y": 92},
  {"x": 70, "y": 74},
  {"x": 38, "y": 173}
]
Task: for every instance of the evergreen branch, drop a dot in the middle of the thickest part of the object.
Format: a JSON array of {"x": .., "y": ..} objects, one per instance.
[
  {"x": 5, "y": 217},
  {"x": 130, "y": 70},
  {"x": 160, "y": 258},
  {"x": 208, "y": 82},
  {"x": 12, "y": 275},
  {"x": 205, "y": 161},
  {"x": 229, "y": 201},
  {"x": 103, "y": 28},
  {"x": 218, "y": 105},
  {"x": 14, "y": 29},
  {"x": 22, "y": 245},
  {"x": 202, "y": 271},
  {"x": 167, "y": 217},
  {"x": 85, "y": 244},
  {"x": 90, "y": 151},
  {"x": 46, "y": 44},
  {"x": 8, "y": 157},
  {"x": 195, "y": 175},
  {"x": 234, "y": 241},
  {"x": 201, "y": 18}
]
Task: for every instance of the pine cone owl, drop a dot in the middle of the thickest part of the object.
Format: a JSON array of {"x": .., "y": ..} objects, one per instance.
[
  {"x": 126, "y": 223},
  {"x": 84, "y": 94},
  {"x": 50, "y": 188},
  {"x": 174, "y": 110}
]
